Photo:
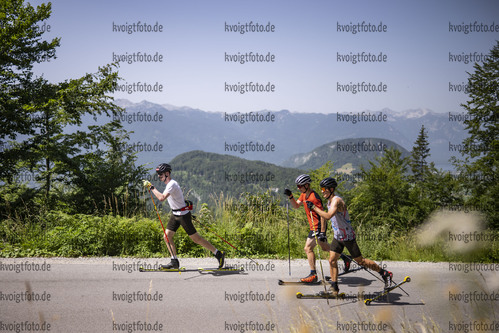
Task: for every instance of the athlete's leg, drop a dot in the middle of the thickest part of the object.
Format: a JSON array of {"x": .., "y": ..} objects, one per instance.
[{"x": 309, "y": 250}]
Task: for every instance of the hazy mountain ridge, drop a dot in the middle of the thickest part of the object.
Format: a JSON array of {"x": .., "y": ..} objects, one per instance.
[{"x": 185, "y": 129}]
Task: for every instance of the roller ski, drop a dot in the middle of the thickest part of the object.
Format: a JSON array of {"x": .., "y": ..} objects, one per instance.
[
  {"x": 161, "y": 269},
  {"x": 220, "y": 256},
  {"x": 222, "y": 269},
  {"x": 387, "y": 290},
  {"x": 321, "y": 294},
  {"x": 310, "y": 280}
]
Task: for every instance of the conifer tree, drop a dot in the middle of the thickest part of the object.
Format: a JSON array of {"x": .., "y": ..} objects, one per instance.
[
  {"x": 481, "y": 147},
  {"x": 419, "y": 154}
]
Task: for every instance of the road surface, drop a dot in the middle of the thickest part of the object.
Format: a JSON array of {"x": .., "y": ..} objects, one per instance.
[{"x": 111, "y": 295}]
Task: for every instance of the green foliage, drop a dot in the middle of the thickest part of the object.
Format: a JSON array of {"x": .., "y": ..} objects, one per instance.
[
  {"x": 383, "y": 197},
  {"x": 21, "y": 46},
  {"x": 18, "y": 201},
  {"x": 56, "y": 154},
  {"x": 67, "y": 235},
  {"x": 106, "y": 181},
  {"x": 83, "y": 235},
  {"x": 258, "y": 225},
  {"x": 481, "y": 148}
]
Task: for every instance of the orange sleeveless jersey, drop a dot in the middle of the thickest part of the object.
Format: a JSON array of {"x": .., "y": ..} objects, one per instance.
[{"x": 316, "y": 200}]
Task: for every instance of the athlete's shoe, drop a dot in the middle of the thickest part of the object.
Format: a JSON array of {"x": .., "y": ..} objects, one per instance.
[
  {"x": 309, "y": 279},
  {"x": 387, "y": 277},
  {"x": 221, "y": 258},
  {"x": 347, "y": 262},
  {"x": 333, "y": 289},
  {"x": 174, "y": 264}
]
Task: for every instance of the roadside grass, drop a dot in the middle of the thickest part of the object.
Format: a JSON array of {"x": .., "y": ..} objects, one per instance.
[{"x": 257, "y": 225}]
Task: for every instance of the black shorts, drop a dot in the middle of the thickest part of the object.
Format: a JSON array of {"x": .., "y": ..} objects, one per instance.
[
  {"x": 311, "y": 233},
  {"x": 181, "y": 220},
  {"x": 352, "y": 247}
]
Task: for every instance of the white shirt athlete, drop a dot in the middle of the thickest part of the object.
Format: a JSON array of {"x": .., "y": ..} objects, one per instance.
[
  {"x": 173, "y": 193},
  {"x": 176, "y": 197}
]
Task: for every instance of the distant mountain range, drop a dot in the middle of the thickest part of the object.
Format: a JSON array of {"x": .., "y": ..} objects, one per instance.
[{"x": 161, "y": 132}]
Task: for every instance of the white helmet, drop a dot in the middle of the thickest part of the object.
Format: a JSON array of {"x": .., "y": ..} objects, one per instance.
[{"x": 303, "y": 179}]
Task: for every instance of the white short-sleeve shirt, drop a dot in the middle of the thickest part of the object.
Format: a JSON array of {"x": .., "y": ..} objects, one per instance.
[{"x": 176, "y": 198}]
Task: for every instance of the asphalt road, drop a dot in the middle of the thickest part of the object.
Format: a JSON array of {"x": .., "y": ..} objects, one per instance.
[{"x": 111, "y": 295}]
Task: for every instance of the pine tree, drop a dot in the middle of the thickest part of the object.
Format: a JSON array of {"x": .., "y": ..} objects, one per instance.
[
  {"x": 481, "y": 148},
  {"x": 419, "y": 154}
]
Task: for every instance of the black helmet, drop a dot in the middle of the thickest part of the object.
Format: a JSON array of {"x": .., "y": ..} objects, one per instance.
[
  {"x": 328, "y": 183},
  {"x": 303, "y": 179},
  {"x": 163, "y": 167}
]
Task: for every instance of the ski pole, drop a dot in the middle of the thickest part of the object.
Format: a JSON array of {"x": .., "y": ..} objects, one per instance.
[
  {"x": 319, "y": 255},
  {"x": 167, "y": 241},
  {"x": 289, "y": 249},
  {"x": 235, "y": 248}
]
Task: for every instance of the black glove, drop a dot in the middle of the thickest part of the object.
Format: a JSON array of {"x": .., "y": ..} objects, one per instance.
[
  {"x": 309, "y": 204},
  {"x": 287, "y": 192},
  {"x": 322, "y": 237}
]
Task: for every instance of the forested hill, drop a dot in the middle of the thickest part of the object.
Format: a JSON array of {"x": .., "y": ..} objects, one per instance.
[
  {"x": 202, "y": 174},
  {"x": 348, "y": 154}
]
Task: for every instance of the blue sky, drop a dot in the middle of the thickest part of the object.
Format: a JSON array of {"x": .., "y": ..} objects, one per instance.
[{"x": 306, "y": 73}]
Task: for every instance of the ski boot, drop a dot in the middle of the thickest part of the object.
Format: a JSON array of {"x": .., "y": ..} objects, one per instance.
[
  {"x": 221, "y": 258},
  {"x": 333, "y": 289},
  {"x": 311, "y": 278},
  {"x": 174, "y": 264},
  {"x": 387, "y": 277}
]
